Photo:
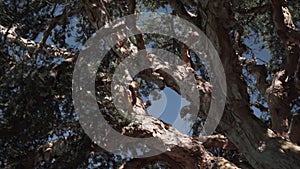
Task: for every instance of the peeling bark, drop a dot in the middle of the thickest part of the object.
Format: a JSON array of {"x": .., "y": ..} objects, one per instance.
[
  {"x": 284, "y": 25},
  {"x": 260, "y": 145},
  {"x": 242, "y": 128},
  {"x": 279, "y": 108},
  {"x": 184, "y": 151}
]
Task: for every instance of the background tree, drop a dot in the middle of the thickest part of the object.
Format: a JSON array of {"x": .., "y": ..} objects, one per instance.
[{"x": 258, "y": 43}]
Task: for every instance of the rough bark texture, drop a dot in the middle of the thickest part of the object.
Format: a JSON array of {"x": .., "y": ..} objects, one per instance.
[
  {"x": 242, "y": 130},
  {"x": 238, "y": 122}
]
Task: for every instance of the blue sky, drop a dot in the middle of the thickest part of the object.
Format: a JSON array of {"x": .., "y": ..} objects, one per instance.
[{"x": 167, "y": 108}]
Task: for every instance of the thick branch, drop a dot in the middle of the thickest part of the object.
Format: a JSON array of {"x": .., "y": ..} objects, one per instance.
[
  {"x": 284, "y": 25},
  {"x": 260, "y": 73},
  {"x": 31, "y": 46},
  {"x": 96, "y": 12},
  {"x": 184, "y": 151},
  {"x": 259, "y": 145},
  {"x": 217, "y": 141},
  {"x": 297, "y": 77},
  {"x": 294, "y": 131}
]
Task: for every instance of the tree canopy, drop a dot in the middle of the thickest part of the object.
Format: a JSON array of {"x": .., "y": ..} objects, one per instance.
[{"x": 256, "y": 41}]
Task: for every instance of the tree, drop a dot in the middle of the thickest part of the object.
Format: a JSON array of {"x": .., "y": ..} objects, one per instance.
[{"x": 257, "y": 42}]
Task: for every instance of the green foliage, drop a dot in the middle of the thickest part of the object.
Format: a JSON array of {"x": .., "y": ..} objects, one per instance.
[{"x": 35, "y": 86}]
